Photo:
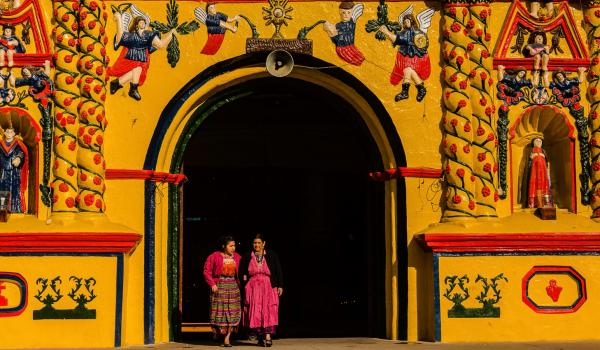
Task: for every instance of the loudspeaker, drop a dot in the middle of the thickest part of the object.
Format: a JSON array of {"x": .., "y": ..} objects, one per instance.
[{"x": 279, "y": 63}]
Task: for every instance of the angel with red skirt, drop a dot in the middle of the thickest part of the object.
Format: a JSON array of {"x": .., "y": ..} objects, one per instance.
[
  {"x": 138, "y": 43},
  {"x": 217, "y": 24},
  {"x": 412, "y": 59},
  {"x": 342, "y": 33}
]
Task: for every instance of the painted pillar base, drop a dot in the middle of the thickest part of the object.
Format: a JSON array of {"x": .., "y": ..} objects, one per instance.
[{"x": 498, "y": 286}]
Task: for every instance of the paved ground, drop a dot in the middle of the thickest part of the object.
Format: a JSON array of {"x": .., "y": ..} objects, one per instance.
[{"x": 368, "y": 343}]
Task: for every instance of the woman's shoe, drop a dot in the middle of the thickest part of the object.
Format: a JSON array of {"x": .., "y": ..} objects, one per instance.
[
  {"x": 268, "y": 343},
  {"x": 227, "y": 345}
]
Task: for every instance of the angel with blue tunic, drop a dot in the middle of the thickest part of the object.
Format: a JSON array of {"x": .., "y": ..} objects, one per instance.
[
  {"x": 565, "y": 88},
  {"x": 217, "y": 23},
  {"x": 138, "y": 43},
  {"x": 342, "y": 33},
  {"x": 412, "y": 59}
]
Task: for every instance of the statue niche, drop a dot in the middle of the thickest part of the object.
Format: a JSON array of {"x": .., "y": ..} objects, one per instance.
[
  {"x": 543, "y": 167},
  {"x": 19, "y": 135}
]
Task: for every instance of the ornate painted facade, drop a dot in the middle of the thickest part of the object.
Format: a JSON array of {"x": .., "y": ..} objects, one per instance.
[{"x": 478, "y": 124}]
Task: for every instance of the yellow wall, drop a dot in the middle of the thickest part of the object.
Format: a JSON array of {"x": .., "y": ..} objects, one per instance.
[
  {"x": 131, "y": 126},
  {"x": 517, "y": 321},
  {"x": 24, "y": 332}
]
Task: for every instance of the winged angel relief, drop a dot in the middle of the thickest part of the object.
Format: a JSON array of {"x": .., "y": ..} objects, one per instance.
[
  {"x": 412, "y": 60},
  {"x": 217, "y": 24},
  {"x": 342, "y": 33},
  {"x": 138, "y": 43}
]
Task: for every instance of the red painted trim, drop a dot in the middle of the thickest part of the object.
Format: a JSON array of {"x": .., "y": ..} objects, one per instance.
[
  {"x": 567, "y": 64},
  {"x": 558, "y": 270},
  {"x": 395, "y": 173},
  {"x": 507, "y": 242},
  {"x": 573, "y": 178},
  {"x": 131, "y": 174},
  {"x": 73, "y": 242}
]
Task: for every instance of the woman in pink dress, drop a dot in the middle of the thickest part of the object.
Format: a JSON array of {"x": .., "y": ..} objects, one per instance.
[
  {"x": 261, "y": 273},
  {"x": 220, "y": 273}
]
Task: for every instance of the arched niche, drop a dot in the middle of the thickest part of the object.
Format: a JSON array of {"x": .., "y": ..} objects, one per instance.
[{"x": 554, "y": 128}]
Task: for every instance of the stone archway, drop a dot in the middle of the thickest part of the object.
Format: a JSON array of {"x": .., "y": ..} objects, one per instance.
[{"x": 204, "y": 94}]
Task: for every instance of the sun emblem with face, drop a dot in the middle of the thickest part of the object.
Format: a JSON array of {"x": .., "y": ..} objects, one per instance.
[{"x": 277, "y": 14}]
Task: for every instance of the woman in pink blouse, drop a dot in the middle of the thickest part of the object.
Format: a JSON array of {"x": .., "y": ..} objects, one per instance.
[{"x": 220, "y": 273}]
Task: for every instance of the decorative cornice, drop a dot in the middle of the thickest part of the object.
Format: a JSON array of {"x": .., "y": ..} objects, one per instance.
[
  {"x": 71, "y": 242},
  {"x": 156, "y": 176},
  {"x": 566, "y": 64},
  {"x": 395, "y": 173},
  {"x": 511, "y": 242}
]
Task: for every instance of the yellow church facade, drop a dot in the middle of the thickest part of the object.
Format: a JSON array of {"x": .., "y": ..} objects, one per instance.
[{"x": 425, "y": 170}]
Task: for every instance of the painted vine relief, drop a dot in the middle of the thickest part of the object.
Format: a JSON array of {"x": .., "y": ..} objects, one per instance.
[{"x": 457, "y": 292}]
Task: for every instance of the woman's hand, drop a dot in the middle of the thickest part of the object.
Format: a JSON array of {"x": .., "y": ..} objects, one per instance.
[
  {"x": 279, "y": 291},
  {"x": 214, "y": 288}
]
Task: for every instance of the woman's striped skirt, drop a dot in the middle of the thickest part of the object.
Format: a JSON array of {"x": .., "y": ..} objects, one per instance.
[{"x": 225, "y": 310}]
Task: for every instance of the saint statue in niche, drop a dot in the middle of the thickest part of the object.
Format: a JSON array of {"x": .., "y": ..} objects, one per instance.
[
  {"x": 13, "y": 169},
  {"x": 538, "y": 178}
]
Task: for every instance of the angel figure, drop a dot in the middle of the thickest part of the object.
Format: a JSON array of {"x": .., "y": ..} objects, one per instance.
[
  {"x": 138, "y": 43},
  {"x": 217, "y": 24},
  {"x": 342, "y": 33},
  {"x": 565, "y": 88},
  {"x": 39, "y": 82},
  {"x": 412, "y": 60},
  {"x": 511, "y": 83}
]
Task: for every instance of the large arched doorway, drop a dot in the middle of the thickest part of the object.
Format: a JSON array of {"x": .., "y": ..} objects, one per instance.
[{"x": 290, "y": 159}]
